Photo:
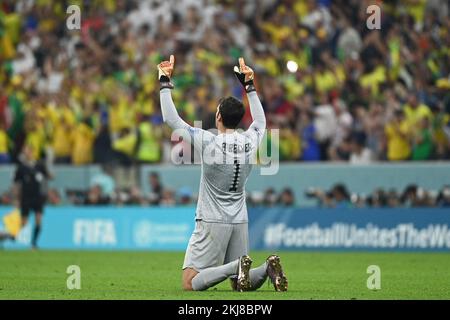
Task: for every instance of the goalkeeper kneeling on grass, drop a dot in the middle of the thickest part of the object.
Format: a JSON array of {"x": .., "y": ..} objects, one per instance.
[{"x": 218, "y": 248}]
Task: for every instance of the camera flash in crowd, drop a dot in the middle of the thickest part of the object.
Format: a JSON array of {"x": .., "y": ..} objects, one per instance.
[{"x": 292, "y": 66}]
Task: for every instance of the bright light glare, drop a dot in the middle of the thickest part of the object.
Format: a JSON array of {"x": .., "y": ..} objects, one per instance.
[{"x": 292, "y": 66}]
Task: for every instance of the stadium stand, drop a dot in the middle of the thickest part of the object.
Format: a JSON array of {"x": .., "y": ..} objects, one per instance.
[{"x": 90, "y": 95}]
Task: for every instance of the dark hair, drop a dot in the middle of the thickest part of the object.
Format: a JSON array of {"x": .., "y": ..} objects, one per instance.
[
  {"x": 399, "y": 113},
  {"x": 232, "y": 111},
  {"x": 342, "y": 189},
  {"x": 358, "y": 137}
]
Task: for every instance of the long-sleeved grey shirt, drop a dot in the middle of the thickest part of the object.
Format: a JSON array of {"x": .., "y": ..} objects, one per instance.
[{"x": 227, "y": 161}]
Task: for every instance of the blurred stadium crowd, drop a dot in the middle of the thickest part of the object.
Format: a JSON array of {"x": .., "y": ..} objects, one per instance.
[
  {"x": 104, "y": 190},
  {"x": 411, "y": 197},
  {"x": 358, "y": 95}
]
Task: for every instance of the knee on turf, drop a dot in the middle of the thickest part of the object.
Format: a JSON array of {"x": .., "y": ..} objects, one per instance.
[
  {"x": 188, "y": 275},
  {"x": 187, "y": 285}
]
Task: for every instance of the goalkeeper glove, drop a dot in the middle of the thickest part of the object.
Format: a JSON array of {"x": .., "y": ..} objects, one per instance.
[
  {"x": 165, "y": 70},
  {"x": 245, "y": 76}
]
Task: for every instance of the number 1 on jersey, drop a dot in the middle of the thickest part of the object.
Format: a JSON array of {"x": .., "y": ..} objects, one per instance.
[{"x": 236, "y": 174}]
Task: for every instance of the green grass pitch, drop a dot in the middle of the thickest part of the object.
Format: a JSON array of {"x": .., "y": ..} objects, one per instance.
[{"x": 156, "y": 275}]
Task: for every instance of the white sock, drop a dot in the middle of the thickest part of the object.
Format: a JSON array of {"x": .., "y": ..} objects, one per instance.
[
  {"x": 210, "y": 277},
  {"x": 258, "y": 276}
]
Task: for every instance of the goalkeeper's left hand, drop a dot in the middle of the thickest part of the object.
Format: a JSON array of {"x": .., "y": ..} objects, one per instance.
[
  {"x": 245, "y": 75},
  {"x": 165, "y": 70}
]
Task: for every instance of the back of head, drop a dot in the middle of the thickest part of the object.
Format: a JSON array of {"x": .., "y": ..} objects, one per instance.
[{"x": 232, "y": 111}]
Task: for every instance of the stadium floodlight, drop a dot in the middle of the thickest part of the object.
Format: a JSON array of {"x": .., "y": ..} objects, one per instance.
[{"x": 292, "y": 66}]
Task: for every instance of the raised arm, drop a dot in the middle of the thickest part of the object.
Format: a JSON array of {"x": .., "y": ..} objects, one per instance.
[
  {"x": 169, "y": 112},
  {"x": 168, "y": 109},
  {"x": 257, "y": 112},
  {"x": 245, "y": 75}
]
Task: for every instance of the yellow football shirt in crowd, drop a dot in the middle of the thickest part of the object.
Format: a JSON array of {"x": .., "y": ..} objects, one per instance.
[
  {"x": 122, "y": 115},
  {"x": 36, "y": 139},
  {"x": 83, "y": 141},
  {"x": 413, "y": 116},
  {"x": 269, "y": 64},
  {"x": 62, "y": 140},
  {"x": 325, "y": 81},
  {"x": 126, "y": 144},
  {"x": 416, "y": 9},
  {"x": 3, "y": 142},
  {"x": 149, "y": 148},
  {"x": 374, "y": 79},
  {"x": 398, "y": 147}
]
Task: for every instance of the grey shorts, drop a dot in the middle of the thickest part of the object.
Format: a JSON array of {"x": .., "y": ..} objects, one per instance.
[{"x": 215, "y": 244}]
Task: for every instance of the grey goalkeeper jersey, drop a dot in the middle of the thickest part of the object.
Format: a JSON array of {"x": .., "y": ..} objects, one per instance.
[{"x": 227, "y": 161}]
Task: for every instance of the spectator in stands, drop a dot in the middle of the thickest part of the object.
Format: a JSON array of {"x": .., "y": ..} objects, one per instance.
[
  {"x": 341, "y": 152},
  {"x": 168, "y": 198},
  {"x": 270, "y": 198},
  {"x": 63, "y": 122},
  {"x": 360, "y": 154},
  {"x": 103, "y": 152},
  {"x": 377, "y": 199},
  {"x": 62, "y": 142},
  {"x": 341, "y": 197},
  {"x": 424, "y": 198},
  {"x": 440, "y": 125},
  {"x": 373, "y": 123},
  {"x": 156, "y": 189},
  {"x": 443, "y": 199},
  {"x": 99, "y": 82},
  {"x": 94, "y": 197},
  {"x": 184, "y": 196},
  {"x": 349, "y": 43},
  {"x": 255, "y": 198},
  {"x": 393, "y": 199},
  {"x": 341, "y": 141},
  {"x": 310, "y": 146},
  {"x": 289, "y": 144},
  {"x": 135, "y": 197},
  {"x": 325, "y": 123},
  {"x": 337, "y": 197},
  {"x": 358, "y": 201},
  {"x": 4, "y": 144},
  {"x": 287, "y": 198},
  {"x": 76, "y": 197},
  {"x": 409, "y": 197},
  {"x": 105, "y": 180},
  {"x": 124, "y": 146},
  {"x": 398, "y": 137},
  {"x": 83, "y": 140},
  {"x": 415, "y": 111},
  {"x": 325, "y": 199},
  {"x": 148, "y": 141},
  {"x": 422, "y": 140}
]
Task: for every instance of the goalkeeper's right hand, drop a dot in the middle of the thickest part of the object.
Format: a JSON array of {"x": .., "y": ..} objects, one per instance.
[{"x": 165, "y": 70}]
